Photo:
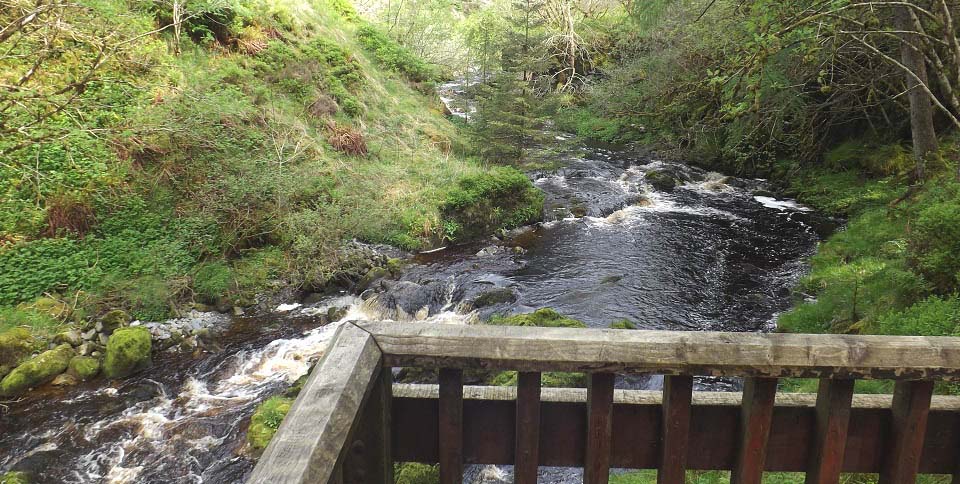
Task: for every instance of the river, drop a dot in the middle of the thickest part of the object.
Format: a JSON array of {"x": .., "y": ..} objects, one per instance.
[{"x": 715, "y": 253}]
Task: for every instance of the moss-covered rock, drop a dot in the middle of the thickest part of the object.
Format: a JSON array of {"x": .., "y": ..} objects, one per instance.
[
  {"x": 128, "y": 351},
  {"x": 15, "y": 346},
  {"x": 84, "y": 367},
  {"x": 36, "y": 371},
  {"x": 113, "y": 321},
  {"x": 266, "y": 420},
  {"x": 415, "y": 473},
  {"x": 623, "y": 324},
  {"x": 494, "y": 296},
  {"x": 14, "y": 477},
  {"x": 544, "y": 317},
  {"x": 661, "y": 180},
  {"x": 480, "y": 205}
]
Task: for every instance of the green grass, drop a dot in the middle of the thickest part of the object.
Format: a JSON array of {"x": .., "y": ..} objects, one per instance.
[{"x": 207, "y": 176}]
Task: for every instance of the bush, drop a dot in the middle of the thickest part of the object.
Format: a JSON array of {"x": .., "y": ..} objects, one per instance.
[
  {"x": 394, "y": 56},
  {"x": 935, "y": 243},
  {"x": 415, "y": 473},
  {"x": 933, "y": 316},
  {"x": 212, "y": 281}
]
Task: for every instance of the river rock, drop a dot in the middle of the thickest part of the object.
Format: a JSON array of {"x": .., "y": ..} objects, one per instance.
[
  {"x": 64, "y": 380},
  {"x": 128, "y": 351},
  {"x": 102, "y": 338},
  {"x": 113, "y": 321},
  {"x": 15, "y": 346},
  {"x": 36, "y": 371},
  {"x": 84, "y": 367},
  {"x": 71, "y": 337},
  {"x": 661, "y": 180},
  {"x": 500, "y": 295},
  {"x": 89, "y": 335}
]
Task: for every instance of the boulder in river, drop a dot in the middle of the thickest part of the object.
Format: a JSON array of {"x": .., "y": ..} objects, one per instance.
[
  {"x": 661, "y": 180},
  {"x": 128, "y": 351},
  {"x": 37, "y": 371},
  {"x": 84, "y": 367}
]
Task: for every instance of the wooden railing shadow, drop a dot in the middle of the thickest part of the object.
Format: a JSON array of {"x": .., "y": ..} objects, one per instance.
[{"x": 351, "y": 423}]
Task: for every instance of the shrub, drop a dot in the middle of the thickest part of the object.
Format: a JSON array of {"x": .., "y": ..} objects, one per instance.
[
  {"x": 935, "y": 243},
  {"x": 30, "y": 269},
  {"x": 394, "y": 56},
  {"x": 415, "y": 473},
  {"x": 346, "y": 139},
  {"x": 212, "y": 281},
  {"x": 933, "y": 316}
]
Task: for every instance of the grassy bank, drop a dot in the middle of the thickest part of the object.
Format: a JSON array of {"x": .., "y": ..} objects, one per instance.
[{"x": 242, "y": 164}]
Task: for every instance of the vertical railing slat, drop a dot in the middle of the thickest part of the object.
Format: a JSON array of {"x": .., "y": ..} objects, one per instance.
[
  {"x": 599, "y": 427},
  {"x": 756, "y": 417},
  {"x": 834, "y": 398},
  {"x": 675, "y": 429},
  {"x": 451, "y": 426},
  {"x": 528, "y": 428},
  {"x": 911, "y": 405}
]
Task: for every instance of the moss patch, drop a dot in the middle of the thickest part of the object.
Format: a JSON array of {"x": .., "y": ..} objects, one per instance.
[
  {"x": 544, "y": 317},
  {"x": 15, "y": 346},
  {"x": 128, "y": 351},
  {"x": 36, "y": 371},
  {"x": 414, "y": 473},
  {"x": 266, "y": 420},
  {"x": 481, "y": 204},
  {"x": 84, "y": 367},
  {"x": 14, "y": 478}
]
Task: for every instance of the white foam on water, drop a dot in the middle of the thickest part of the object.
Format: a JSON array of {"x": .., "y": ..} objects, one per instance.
[
  {"x": 782, "y": 205},
  {"x": 283, "y": 308}
]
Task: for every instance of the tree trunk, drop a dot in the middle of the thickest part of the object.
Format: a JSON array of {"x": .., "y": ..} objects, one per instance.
[{"x": 921, "y": 109}]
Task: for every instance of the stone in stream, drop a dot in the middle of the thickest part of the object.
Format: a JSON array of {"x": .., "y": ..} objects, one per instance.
[
  {"x": 37, "y": 371},
  {"x": 83, "y": 367},
  {"x": 128, "y": 351}
]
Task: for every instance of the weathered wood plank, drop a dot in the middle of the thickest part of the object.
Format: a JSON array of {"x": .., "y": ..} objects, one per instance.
[
  {"x": 755, "y": 422},
  {"x": 834, "y": 398},
  {"x": 528, "y": 428},
  {"x": 370, "y": 460},
  {"x": 911, "y": 407},
  {"x": 715, "y": 418},
  {"x": 668, "y": 352},
  {"x": 451, "y": 425},
  {"x": 675, "y": 430},
  {"x": 599, "y": 428},
  {"x": 330, "y": 402}
]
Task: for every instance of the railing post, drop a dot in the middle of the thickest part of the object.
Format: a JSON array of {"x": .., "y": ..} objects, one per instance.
[
  {"x": 911, "y": 405},
  {"x": 369, "y": 458},
  {"x": 451, "y": 426},
  {"x": 675, "y": 429},
  {"x": 756, "y": 416},
  {"x": 834, "y": 398},
  {"x": 599, "y": 427},
  {"x": 528, "y": 428}
]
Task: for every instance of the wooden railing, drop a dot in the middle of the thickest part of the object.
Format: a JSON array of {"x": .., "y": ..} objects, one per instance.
[{"x": 351, "y": 423}]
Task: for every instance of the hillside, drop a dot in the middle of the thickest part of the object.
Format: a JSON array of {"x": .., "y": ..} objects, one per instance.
[{"x": 241, "y": 165}]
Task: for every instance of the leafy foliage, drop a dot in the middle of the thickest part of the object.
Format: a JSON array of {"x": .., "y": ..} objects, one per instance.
[{"x": 393, "y": 56}]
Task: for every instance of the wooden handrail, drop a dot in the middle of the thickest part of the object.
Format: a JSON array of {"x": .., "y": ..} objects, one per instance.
[
  {"x": 667, "y": 352},
  {"x": 350, "y": 422}
]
